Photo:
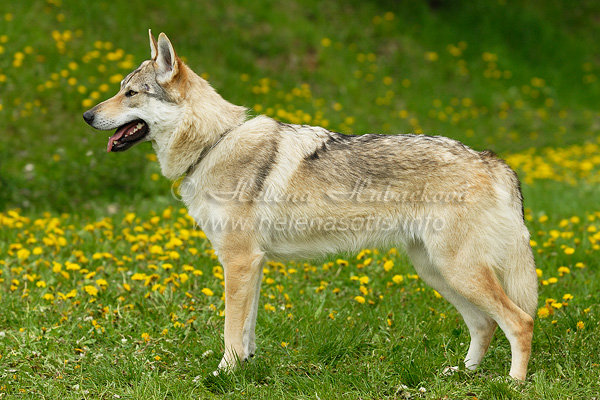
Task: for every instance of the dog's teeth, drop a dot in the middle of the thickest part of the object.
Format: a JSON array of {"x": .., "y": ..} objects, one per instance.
[{"x": 138, "y": 126}]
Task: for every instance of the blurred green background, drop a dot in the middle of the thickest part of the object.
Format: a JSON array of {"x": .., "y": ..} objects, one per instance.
[{"x": 500, "y": 75}]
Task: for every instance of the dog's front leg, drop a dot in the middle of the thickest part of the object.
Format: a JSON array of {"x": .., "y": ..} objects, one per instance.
[{"x": 243, "y": 273}]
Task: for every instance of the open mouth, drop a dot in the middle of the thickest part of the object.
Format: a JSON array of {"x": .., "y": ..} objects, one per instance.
[{"x": 127, "y": 135}]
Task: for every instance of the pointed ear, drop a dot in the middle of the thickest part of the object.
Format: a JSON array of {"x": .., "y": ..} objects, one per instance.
[
  {"x": 166, "y": 60},
  {"x": 153, "y": 46}
]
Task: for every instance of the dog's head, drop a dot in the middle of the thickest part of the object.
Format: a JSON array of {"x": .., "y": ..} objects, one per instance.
[{"x": 146, "y": 106}]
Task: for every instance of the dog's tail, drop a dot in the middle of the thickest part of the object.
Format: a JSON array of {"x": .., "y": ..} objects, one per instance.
[
  {"x": 517, "y": 274},
  {"x": 520, "y": 278}
]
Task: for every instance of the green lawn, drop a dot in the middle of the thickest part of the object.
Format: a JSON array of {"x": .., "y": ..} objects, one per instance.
[{"x": 106, "y": 288}]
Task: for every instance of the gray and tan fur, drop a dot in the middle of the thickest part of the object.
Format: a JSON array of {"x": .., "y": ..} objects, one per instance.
[{"x": 263, "y": 189}]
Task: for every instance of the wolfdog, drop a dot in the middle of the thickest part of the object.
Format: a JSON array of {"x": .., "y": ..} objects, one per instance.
[{"x": 262, "y": 189}]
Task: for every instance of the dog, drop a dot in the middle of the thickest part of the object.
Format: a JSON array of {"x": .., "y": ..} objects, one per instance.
[{"x": 262, "y": 189}]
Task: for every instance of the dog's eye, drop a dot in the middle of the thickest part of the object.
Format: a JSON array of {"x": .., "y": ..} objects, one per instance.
[{"x": 130, "y": 93}]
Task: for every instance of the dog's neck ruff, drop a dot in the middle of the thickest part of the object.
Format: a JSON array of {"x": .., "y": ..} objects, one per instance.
[{"x": 206, "y": 151}]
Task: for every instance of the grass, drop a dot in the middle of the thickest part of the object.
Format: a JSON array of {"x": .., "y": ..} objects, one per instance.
[
  {"x": 107, "y": 288},
  {"x": 139, "y": 315}
]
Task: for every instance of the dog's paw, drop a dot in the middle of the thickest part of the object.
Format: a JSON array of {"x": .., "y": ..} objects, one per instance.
[
  {"x": 223, "y": 369},
  {"x": 448, "y": 371},
  {"x": 226, "y": 365}
]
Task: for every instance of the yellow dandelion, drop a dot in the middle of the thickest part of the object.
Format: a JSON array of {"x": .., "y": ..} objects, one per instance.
[
  {"x": 207, "y": 292},
  {"x": 91, "y": 290},
  {"x": 23, "y": 254},
  {"x": 431, "y": 56},
  {"x": 156, "y": 249},
  {"x": 563, "y": 270},
  {"x": 539, "y": 272},
  {"x": 489, "y": 57},
  {"x": 388, "y": 265},
  {"x": 72, "y": 266},
  {"x": 116, "y": 78}
]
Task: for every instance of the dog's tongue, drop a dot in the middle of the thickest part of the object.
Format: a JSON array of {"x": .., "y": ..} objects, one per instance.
[{"x": 119, "y": 134}]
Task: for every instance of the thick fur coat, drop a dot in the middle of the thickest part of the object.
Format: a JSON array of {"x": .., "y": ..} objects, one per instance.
[{"x": 263, "y": 189}]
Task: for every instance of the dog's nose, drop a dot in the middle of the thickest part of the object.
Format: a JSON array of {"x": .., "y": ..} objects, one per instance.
[{"x": 88, "y": 116}]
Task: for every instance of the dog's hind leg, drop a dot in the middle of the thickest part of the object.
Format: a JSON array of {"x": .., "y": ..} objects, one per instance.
[
  {"x": 242, "y": 262},
  {"x": 477, "y": 283},
  {"x": 481, "y": 326}
]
